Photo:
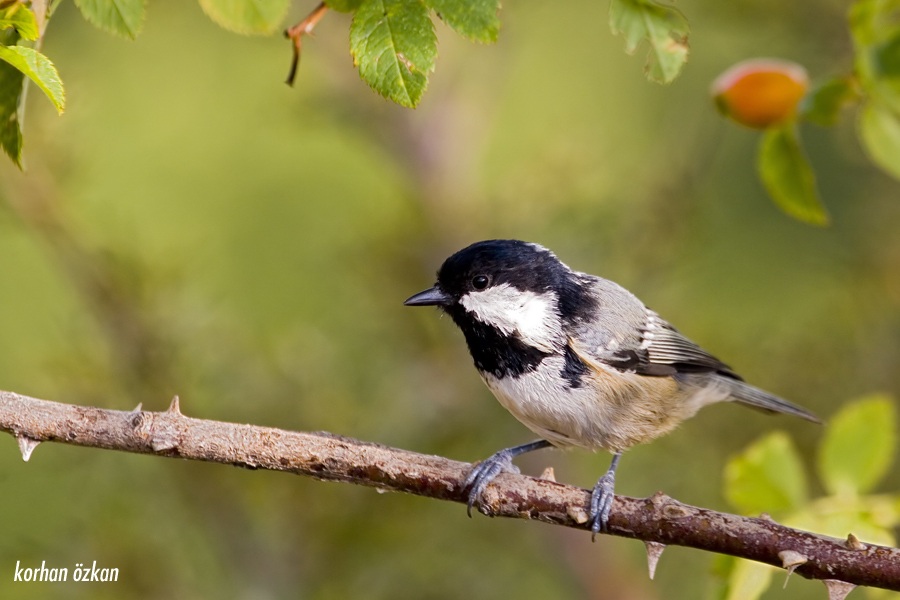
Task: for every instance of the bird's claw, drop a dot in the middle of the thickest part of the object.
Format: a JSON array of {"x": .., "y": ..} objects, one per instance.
[
  {"x": 485, "y": 472},
  {"x": 601, "y": 502}
]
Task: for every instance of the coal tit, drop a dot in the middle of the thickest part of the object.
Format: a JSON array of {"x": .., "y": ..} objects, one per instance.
[{"x": 577, "y": 359}]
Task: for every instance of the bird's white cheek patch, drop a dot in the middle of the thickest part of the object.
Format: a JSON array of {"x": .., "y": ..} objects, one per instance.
[{"x": 533, "y": 317}]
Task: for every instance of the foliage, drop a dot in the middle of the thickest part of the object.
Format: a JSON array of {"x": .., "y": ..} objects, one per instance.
[
  {"x": 854, "y": 456},
  {"x": 663, "y": 27},
  {"x": 247, "y": 16},
  {"x": 17, "y": 23},
  {"x": 392, "y": 41},
  {"x": 787, "y": 175},
  {"x": 873, "y": 83},
  {"x": 120, "y": 17},
  {"x": 394, "y": 46}
]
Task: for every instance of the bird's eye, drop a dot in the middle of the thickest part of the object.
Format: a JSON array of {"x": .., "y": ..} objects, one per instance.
[{"x": 479, "y": 282}]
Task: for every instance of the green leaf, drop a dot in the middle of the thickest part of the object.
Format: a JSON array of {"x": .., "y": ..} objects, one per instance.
[
  {"x": 344, "y": 6},
  {"x": 859, "y": 446},
  {"x": 664, "y": 27},
  {"x": 394, "y": 46},
  {"x": 121, "y": 17},
  {"x": 875, "y": 27},
  {"x": 879, "y": 130},
  {"x": 39, "y": 69},
  {"x": 11, "y": 85},
  {"x": 838, "y": 516},
  {"x": 886, "y": 57},
  {"x": 476, "y": 20},
  {"x": 22, "y": 19},
  {"x": 788, "y": 178},
  {"x": 823, "y": 105},
  {"x": 767, "y": 477},
  {"x": 247, "y": 16},
  {"x": 873, "y": 21},
  {"x": 748, "y": 580}
]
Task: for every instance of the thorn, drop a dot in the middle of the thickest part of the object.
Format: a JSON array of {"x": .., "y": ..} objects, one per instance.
[
  {"x": 26, "y": 446},
  {"x": 766, "y": 517},
  {"x": 174, "y": 406},
  {"x": 549, "y": 474},
  {"x": 853, "y": 542},
  {"x": 790, "y": 560},
  {"x": 577, "y": 514},
  {"x": 137, "y": 409},
  {"x": 838, "y": 590},
  {"x": 654, "y": 551}
]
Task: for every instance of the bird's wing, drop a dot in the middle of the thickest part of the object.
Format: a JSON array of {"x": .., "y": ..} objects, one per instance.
[
  {"x": 660, "y": 350},
  {"x": 657, "y": 349}
]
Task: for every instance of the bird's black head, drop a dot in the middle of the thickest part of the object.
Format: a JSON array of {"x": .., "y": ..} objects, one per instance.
[
  {"x": 511, "y": 299},
  {"x": 520, "y": 265}
]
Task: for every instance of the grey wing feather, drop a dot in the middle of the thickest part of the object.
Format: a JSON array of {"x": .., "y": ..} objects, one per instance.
[
  {"x": 628, "y": 336},
  {"x": 665, "y": 345},
  {"x": 658, "y": 349}
]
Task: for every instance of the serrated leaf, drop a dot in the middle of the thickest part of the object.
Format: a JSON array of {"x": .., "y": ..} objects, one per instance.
[
  {"x": 664, "y": 28},
  {"x": 766, "y": 477},
  {"x": 859, "y": 446},
  {"x": 823, "y": 105},
  {"x": 22, "y": 19},
  {"x": 39, "y": 69},
  {"x": 476, "y": 20},
  {"x": 394, "y": 45},
  {"x": 121, "y": 17},
  {"x": 787, "y": 175},
  {"x": 344, "y": 6},
  {"x": 879, "y": 130},
  {"x": 247, "y": 16},
  {"x": 11, "y": 82}
]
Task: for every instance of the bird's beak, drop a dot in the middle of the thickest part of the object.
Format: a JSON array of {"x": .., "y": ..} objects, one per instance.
[{"x": 430, "y": 297}]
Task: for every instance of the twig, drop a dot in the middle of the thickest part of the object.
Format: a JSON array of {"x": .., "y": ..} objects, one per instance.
[
  {"x": 658, "y": 519},
  {"x": 296, "y": 33}
]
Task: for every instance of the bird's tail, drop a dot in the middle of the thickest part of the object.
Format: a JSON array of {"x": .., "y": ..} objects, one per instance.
[{"x": 755, "y": 397}]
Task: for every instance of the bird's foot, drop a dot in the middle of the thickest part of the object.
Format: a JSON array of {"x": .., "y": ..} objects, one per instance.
[
  {"x": 601, "y": 502},
  {"x": 485, "y": 472}
]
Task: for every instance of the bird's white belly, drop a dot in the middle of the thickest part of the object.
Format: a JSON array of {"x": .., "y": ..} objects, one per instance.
[{"x": 543, "y": 402}]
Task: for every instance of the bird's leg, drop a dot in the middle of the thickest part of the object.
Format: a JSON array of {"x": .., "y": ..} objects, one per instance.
[
  {"x": 499, "y": 462},
  {"x": 602, "y": 498}
]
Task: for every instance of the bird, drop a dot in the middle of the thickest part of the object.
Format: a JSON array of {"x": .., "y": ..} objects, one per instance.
[{"x": 578, "y": 359}]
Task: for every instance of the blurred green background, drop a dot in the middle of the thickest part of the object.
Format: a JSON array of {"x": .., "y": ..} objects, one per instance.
[{"x": 191, "y": 225}]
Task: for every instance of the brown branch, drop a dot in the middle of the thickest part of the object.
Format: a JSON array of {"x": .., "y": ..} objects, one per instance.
[
  {"x": 296, "y": 33},
  {"x": 655, "y": 520}
]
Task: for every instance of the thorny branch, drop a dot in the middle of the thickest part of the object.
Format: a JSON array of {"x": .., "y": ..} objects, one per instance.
[{"x": 658, "y": 520}]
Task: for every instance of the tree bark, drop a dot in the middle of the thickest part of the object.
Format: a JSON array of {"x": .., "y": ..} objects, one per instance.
[{"x": 658, "y": 519}]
